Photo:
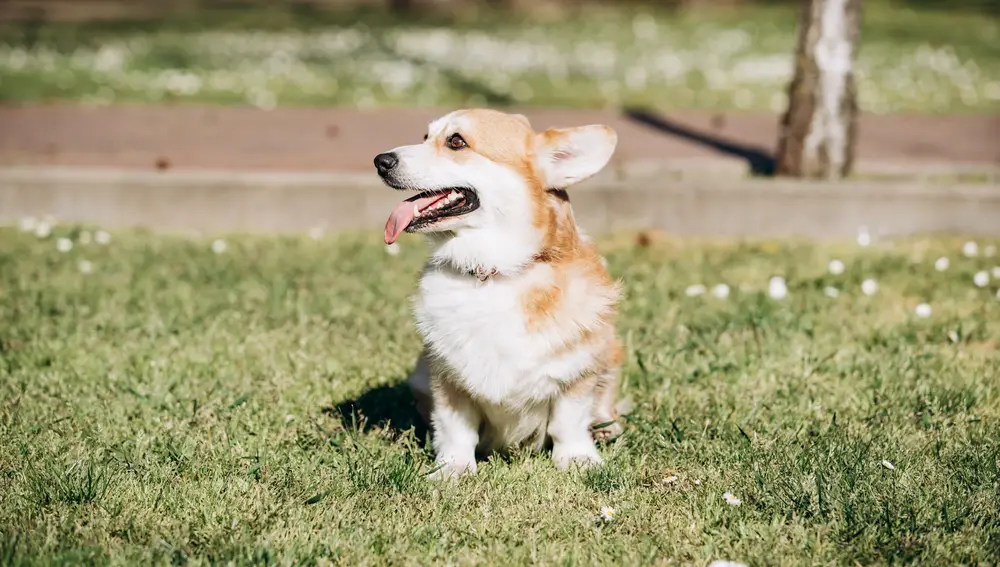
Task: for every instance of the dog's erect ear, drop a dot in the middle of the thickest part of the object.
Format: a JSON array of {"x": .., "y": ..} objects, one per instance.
[{"x": 569, "y": 155}]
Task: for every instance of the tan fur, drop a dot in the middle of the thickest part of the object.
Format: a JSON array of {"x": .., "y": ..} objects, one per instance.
[
  {"x": 585, "y": 385},
  {"x": 545, "y": 304},
  {"x": 502, "y": 138},
  {"x": 568, "y": 374}
]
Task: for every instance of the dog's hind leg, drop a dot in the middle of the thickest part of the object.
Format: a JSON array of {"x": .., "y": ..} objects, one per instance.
[
  {"x": 608, "y": 409},
  {"x": 420, "y": 385}
]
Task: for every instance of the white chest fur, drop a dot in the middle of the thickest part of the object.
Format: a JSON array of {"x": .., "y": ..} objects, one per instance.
[{"x": 481, "y": 331}]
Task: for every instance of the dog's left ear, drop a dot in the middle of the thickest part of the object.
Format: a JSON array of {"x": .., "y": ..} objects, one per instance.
[{"x": 566, "y": 156}]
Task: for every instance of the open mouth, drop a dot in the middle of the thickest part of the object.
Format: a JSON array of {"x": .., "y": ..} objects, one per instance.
[{"x": 427, "y": 208}]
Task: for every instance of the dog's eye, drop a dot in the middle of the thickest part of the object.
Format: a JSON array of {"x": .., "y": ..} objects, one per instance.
[
  {"x": 425, "y": 137},
  {"x": 456, "y": 142}
]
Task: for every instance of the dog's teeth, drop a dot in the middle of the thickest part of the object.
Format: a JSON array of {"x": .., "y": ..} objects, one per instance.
[{"x": 416, "y": 211}]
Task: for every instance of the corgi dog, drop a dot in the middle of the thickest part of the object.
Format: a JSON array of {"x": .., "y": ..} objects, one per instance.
[{"x": 515, "y": 307}]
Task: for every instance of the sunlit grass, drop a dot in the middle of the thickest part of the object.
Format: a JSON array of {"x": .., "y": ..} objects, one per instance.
[
  {"x": 909, "y": 61},
  {"x": 186, "y": 402}
]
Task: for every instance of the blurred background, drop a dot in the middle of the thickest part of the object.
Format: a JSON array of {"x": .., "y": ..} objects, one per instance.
[{"x": 916, "y": 56}]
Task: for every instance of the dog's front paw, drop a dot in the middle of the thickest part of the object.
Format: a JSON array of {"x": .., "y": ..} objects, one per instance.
[
  {"x": 606, "y": 431},
  {"x": 578, "y": 457},
  {"x": 450, "y": 471}
]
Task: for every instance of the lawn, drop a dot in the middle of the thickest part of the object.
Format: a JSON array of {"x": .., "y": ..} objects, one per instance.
[
  {"x": 166, "y": 399},
  {"x": 911, "y": 61}
]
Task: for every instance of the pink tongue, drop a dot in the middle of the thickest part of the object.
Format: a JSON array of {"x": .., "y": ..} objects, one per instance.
[{"x": 402, "y": 216}]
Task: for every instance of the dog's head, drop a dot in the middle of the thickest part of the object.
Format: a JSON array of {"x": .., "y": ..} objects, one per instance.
[{"x": 483, "y": 170}]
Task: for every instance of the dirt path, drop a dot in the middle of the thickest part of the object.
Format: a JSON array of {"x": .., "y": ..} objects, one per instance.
[{"x": 347, "y": 140}]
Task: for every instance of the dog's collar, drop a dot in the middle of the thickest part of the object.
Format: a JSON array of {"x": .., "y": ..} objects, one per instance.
[{"x": 484, "y": 274}]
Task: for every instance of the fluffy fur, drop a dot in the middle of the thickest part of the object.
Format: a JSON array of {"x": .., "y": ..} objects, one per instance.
[{"x": 515, "y": 307}]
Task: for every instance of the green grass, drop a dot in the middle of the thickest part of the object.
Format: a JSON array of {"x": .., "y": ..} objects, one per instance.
[
  {"x": 923, "y": 61},
  {"x": 176, "y": 406}
]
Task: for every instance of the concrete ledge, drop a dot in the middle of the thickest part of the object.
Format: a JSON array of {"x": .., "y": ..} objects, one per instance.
[{"x": 220, "y": 201}]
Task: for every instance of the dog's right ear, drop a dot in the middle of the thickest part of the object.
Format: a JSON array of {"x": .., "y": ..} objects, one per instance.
[{"x": 566, "y": 156}]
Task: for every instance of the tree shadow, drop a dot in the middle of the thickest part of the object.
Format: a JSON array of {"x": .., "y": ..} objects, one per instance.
[
  {"x": 390, "y": 407},
  {"x": 760, "y": 159}
]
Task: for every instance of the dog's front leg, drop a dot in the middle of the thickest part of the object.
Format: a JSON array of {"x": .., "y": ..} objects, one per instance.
[
  {"x": 455, "y": 419},
  {"x": 569, "y": 427}
]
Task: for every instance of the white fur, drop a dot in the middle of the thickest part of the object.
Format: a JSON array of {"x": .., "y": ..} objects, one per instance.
[
  {"x": 480, "y": 329},
  {"x": 514, "y": 375},
  {"x": 575, "y": 158},
  {"x": 499, "y": 233}
]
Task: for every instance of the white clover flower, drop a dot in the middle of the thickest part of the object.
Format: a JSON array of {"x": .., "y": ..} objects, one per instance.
[
  {"x": 84, "y": 237},
  {"x": 694, "y": 290},
  {"x": 990, "y": 251},
  {"x": 864, "y": 237},
  {"x": 85, "y": 266},
  {"x": 43, "y": 229},
  {"x": 316, "y": 232},
  {"x": 64, "y": 245},
  {"x": 888, "y": 465},
  {"x": 219, "y": 246},
  {"x": 923, "y": 310},
  {"x": 981, "y": 279},
  {"x": 392, "y": 249},
  {"x": 262, "y": 99},
  {"x": 970, "y": 249},
  {"x": 777, "y": 288},
  {"x": 996, "y": 272},
  {"x": 102, "y": 237},
  {"x": 670, "y": 479},
  {"x": 732, "y": 500},
  {"x": 522, "y": 92},
  {"x": 831, "y": 292},
  {"x": 721, "y": 291},
  {"x": 289, "y": 418},
  {"x": 27, "y": 224},
  {"x": 836, "y": 267},
  {"x": 607, "y": 514},
  {"x": 941, "y": 264},
  {"x": 697, "y": 481},
  {"x": 869, "y": 287},
  {"x": 644, "y": 27}
]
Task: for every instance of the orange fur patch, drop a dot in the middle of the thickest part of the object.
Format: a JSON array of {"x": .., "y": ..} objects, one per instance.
[
  {"x": 501, "y": 138},
  {"x": 509, "y": 139},
  {"x": 581, "y": 386},
  {"x": 540, "y": 302}
]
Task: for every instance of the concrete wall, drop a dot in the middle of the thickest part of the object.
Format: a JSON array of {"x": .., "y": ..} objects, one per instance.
[{"x": 220, "y": 201}]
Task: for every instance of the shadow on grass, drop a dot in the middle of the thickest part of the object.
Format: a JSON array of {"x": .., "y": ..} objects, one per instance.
[
  {"x": 761, "y": 160},
  {"x": 390, "y": 407}
]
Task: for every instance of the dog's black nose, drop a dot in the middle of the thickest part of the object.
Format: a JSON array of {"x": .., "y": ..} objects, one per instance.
[{"x": 385, "y": 162}]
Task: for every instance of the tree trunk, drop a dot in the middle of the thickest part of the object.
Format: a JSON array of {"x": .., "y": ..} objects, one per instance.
[{"x": 820, "y": 126}]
